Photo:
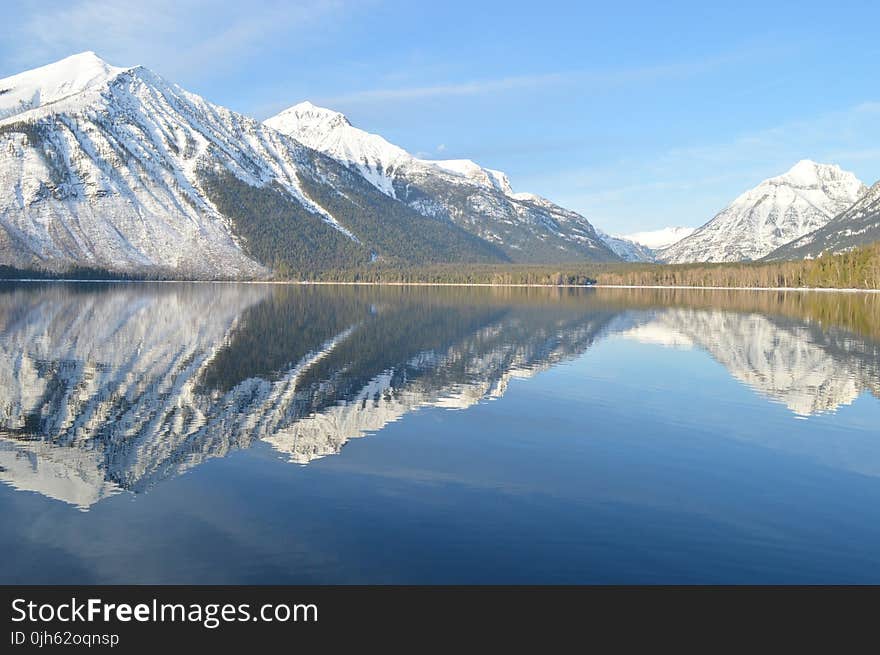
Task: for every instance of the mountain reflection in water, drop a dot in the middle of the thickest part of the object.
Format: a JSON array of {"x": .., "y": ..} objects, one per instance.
[{"x": 115, "y": 387}]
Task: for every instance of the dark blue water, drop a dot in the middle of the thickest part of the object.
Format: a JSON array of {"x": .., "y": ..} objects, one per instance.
[{"x": 199, "y": 433}]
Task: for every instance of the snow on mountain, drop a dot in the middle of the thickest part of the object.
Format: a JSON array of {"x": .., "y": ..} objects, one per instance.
[
  {"x": 627, "y": 249},
  {"x": 49, "y": 84},
  {"x": 330, "y": 132},
  {"x": 104, "y": 171},
  {"x": 474, "y": 172},
  {"x": 858, "y": 225},
  {"x": 642, "y": 246},
  {"x": 119, "y": 169},
  {"x": 375, "y": 158},
  {"x": 658, "y": 239},
  {"x": 775, "y": 212},
  {"x": 480, "y": 200}
]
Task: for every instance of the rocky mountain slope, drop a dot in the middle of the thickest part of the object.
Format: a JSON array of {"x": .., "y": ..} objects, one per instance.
[
  {"x": 858, "y": 225},
  {"x": 117, "y": 168},
  {"x": 526, "y": 227},
  {"x": 775, "y": 212},
  {"x": 659, "y": 239},
  {"x": 626, "y": 249},
  {"x": 643, "y": 246}
]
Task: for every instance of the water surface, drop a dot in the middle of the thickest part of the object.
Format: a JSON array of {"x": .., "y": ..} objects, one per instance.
[{"x": 224, "y": 433}]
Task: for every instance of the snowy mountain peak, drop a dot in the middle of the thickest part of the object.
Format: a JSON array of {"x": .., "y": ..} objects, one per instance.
[
  {"x": 775, "y": 212},
  {"x": 305, "y": 115},
  {"x": 378, "y": 160},
  {"x": 331, "y": 132},
  {"x": 807, "y": 166},
  {"x": 807, "y": 174},
  {"x": 88, "y": 59},
  {"x": 53, "y": 82}
]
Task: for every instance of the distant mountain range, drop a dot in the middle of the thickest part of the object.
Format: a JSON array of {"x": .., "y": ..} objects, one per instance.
[
  {"x": 644, "y": 246},
  {"x": 810, "y": 210},
  {"x": 659, "y": 239},
  {"x": 117, "y": 169},
  {"x": 626, "y": 249},
  {"x": 778, "y": 211}
]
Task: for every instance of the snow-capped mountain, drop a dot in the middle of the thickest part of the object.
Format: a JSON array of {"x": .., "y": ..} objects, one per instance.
[
  {"x": 658, "y": 239},
  {"x": 775, "y": 212},
  {"x": 626, "y": 249},
  {"x": 524, "y": 226},
  {"x": 116, "y": 168},
  {"x": 643, "y": 246},
  {"x": 856, "y": 226},
  {"x": 98, "y": 167}
]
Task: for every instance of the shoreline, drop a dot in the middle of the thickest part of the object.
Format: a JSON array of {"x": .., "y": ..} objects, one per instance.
[
  {"x": 677, "y": 286},
  {"x": 442, "y": 284}
]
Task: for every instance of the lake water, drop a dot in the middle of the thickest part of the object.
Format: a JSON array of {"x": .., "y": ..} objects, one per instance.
[{"x": 224, "y": 433}]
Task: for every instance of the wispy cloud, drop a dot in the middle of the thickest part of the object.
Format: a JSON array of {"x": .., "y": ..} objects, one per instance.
[
  {"x": 476, "y": 87},
  {"x": 530, "y": 82}
]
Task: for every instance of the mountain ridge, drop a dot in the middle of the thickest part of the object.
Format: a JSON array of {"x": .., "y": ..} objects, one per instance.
[
  {"x": 527, "y": 227},
  {"x": 117, "y": 169},
  {"x": 627, "y": 249},
  {"x": 777, "y": 211},
  {"x": 857, "y": 225},
  {"x": 114, "y": 168},
  {"x": 659, "y": 239}
]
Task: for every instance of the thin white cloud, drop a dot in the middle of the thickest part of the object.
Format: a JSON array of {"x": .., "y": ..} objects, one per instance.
[
  {"x": 478, "y": 87},
  {"x": 531, "y": 82}
]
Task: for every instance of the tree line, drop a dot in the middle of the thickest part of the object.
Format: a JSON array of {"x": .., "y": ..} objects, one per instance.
[{"x": 856, "y": 269}]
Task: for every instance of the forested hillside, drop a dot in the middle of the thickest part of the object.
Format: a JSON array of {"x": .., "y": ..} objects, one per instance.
[{"x": 855, "y": 269}]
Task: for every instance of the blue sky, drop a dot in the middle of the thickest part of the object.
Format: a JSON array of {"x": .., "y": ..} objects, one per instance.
[{"x": 636, "y": 114}]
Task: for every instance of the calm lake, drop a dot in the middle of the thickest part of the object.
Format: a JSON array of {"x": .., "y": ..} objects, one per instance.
[{"x": 248, "y": 433}]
